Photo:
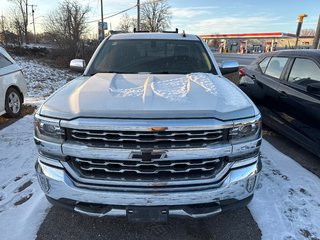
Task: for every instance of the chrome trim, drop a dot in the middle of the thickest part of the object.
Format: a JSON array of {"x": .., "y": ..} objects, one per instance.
[
  {"x": 153, "y": 172},
  {"x": 240, "y": 122},
  {"x": 244, "y": 162},
  {"x": 140, "y": 185},
  {"x": 146, "y": 164},
  {"x": 123, "y": 213},
  {"x": 145, "y": 125},
  {"x": 157, "y": 170},
  {"x": 112, "y": 212},
  {"x": 182, "y": 213},
  {"x": 246, "y": 147},
  {"x": 155, "y": 187},
  {"x": 50, "y": 161},
  {"x": 50, "y": 148},
  {"x": 147, "y": 134},
  {"x": 233, "y": 186},
  {"x": 46, "y": 119},
  {"x": 103, "y": 136},
  {"x": 77, "y": 150}
]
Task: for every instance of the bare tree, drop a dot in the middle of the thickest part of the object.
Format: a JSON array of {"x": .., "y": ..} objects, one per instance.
[
  {"x": 4, "y": 26},
  {"x": 67, "y": 24},
  {"x": 15, "y": 27},
  {"x": 308, "y": 32},
  {"x": 126, "y": 23},
  {"x": 22, "y": 5},
  {"x": 155, "y": 16}
]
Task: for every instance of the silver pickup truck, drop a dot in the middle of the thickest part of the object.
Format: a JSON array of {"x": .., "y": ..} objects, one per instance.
[{"x": 150, "y": 130}]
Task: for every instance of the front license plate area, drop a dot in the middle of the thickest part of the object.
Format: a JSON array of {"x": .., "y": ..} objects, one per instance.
[{"x": 147, "y": 214}]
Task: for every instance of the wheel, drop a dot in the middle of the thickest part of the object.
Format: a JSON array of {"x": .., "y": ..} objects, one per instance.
[{"x": 13, "y": 103}]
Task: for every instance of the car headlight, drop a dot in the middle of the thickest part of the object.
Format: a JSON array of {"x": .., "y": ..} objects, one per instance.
[
  {"x": 245, "y": 131},
  {"x": 48, "y": 129}
]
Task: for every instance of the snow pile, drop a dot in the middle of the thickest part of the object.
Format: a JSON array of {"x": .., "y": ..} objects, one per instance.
[
  {"x": 23, "y": 205},
  {"x": 287, "y": 204},
  {"x": 43, "y": 80}
]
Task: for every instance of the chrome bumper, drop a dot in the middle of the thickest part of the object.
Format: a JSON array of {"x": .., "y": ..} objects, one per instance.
[{"x": 238, "y": 184}]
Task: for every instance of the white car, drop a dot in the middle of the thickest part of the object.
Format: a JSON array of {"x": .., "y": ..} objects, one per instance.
[{"x": 13, "y": 86}]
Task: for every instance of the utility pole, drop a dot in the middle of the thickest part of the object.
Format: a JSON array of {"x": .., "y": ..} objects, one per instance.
[
  {"x": 300, "y": 21},
  {"x": 317, "y": 36},
  {"x": 34, "y": 26},
  {"x": 138, "y": 15},
  {"x": 26, "y": 23},
  {"x": 102, "y": 29}
]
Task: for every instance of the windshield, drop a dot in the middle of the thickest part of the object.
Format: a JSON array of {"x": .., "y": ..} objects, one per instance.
[{"x": 152, "y": 56}]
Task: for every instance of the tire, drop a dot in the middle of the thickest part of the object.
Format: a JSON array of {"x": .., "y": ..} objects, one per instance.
[{"x": 13, "y": 103}]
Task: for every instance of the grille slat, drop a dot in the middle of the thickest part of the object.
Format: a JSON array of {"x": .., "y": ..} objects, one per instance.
[
  {"x": 148, "y": 171},
  {"x": 133, "y": 163},
  {"x": 136, "y": 140}
]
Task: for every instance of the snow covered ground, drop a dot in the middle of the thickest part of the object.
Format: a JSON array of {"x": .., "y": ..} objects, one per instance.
[
  {"x": 43, "y": 80},
  {"x": 286, "y": 206},
  {"x": 22, "y": 204}
]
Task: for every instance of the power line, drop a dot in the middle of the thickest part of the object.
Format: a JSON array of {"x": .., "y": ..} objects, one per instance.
[
  {"x": 125, "y": 10},
  {"x": 110, "y": 16}
]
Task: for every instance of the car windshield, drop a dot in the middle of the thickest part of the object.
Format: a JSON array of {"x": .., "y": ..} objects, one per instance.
[{"x": 152, "y": 56}]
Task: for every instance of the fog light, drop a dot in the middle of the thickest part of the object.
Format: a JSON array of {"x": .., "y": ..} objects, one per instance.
[
  {"x": 250, "y": 183},
  {"x": 44, "y": 183}
]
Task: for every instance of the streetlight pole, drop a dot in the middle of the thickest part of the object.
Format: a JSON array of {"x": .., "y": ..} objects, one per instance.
[
  {"x": 300, "y": 21},
  {"x": 138, "y": 15},
  {"x": 102, "y": 29}
]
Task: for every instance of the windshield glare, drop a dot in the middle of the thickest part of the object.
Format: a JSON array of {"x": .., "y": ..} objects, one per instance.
[{"x": 152, "y": 56}]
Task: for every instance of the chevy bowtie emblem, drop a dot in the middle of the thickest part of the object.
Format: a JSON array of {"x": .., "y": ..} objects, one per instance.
[
  {"x": 160, "y": 129},
  {"x": 148, "y": 155}
]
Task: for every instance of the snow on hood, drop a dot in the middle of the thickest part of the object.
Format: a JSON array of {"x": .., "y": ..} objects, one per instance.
[
  {"x": 177, "y": 89},
  {"x": 149, "y": 96}
]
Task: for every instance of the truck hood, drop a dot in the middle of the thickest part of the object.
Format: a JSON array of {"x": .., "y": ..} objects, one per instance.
[{"x": 109, "y": 95}]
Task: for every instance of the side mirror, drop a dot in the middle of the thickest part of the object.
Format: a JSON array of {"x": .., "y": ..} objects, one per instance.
[
  {"x": 313, "y": 88},
  {"x": 78, "y": 65},
  {"x": 229, "y": 66}
]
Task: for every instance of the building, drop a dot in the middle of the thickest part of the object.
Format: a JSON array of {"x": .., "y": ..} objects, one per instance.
[{"x": 255, "y": 42}]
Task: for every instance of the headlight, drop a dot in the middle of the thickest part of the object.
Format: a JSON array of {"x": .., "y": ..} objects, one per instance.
[
  {"x": 245, "y": 131},
  {"x": 48, "y": 129}
]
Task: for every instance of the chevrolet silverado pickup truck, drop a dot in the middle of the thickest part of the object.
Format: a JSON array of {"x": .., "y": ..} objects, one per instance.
[{"x": 151, "y": 130}]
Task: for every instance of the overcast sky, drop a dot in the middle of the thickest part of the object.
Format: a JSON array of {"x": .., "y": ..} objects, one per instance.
[{"x": 204, "y": 16}]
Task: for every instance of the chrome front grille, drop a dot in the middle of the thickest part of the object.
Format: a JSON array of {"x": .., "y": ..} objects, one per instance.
[
  {"x": 141, "y": 153},
  {"x": 155, "y": 170},
  {"x": 148, "y": 139}
]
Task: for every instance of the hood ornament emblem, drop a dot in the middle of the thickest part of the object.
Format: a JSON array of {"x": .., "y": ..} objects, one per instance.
[
  {"x": 148, "y": 155},
  {"x": 158, "y": 129}
]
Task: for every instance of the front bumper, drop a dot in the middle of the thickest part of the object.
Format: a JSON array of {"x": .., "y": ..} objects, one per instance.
[{"x": 236, "y": 187}]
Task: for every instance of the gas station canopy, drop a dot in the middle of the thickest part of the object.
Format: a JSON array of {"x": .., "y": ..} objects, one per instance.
[{"x": 248, "y": 35}]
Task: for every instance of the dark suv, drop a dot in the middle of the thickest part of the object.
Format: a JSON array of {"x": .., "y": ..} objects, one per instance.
[{"x": 286, "y": 85}]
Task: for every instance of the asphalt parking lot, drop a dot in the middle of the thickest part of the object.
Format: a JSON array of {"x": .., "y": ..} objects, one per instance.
[{"x": 230, "y": 225}]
